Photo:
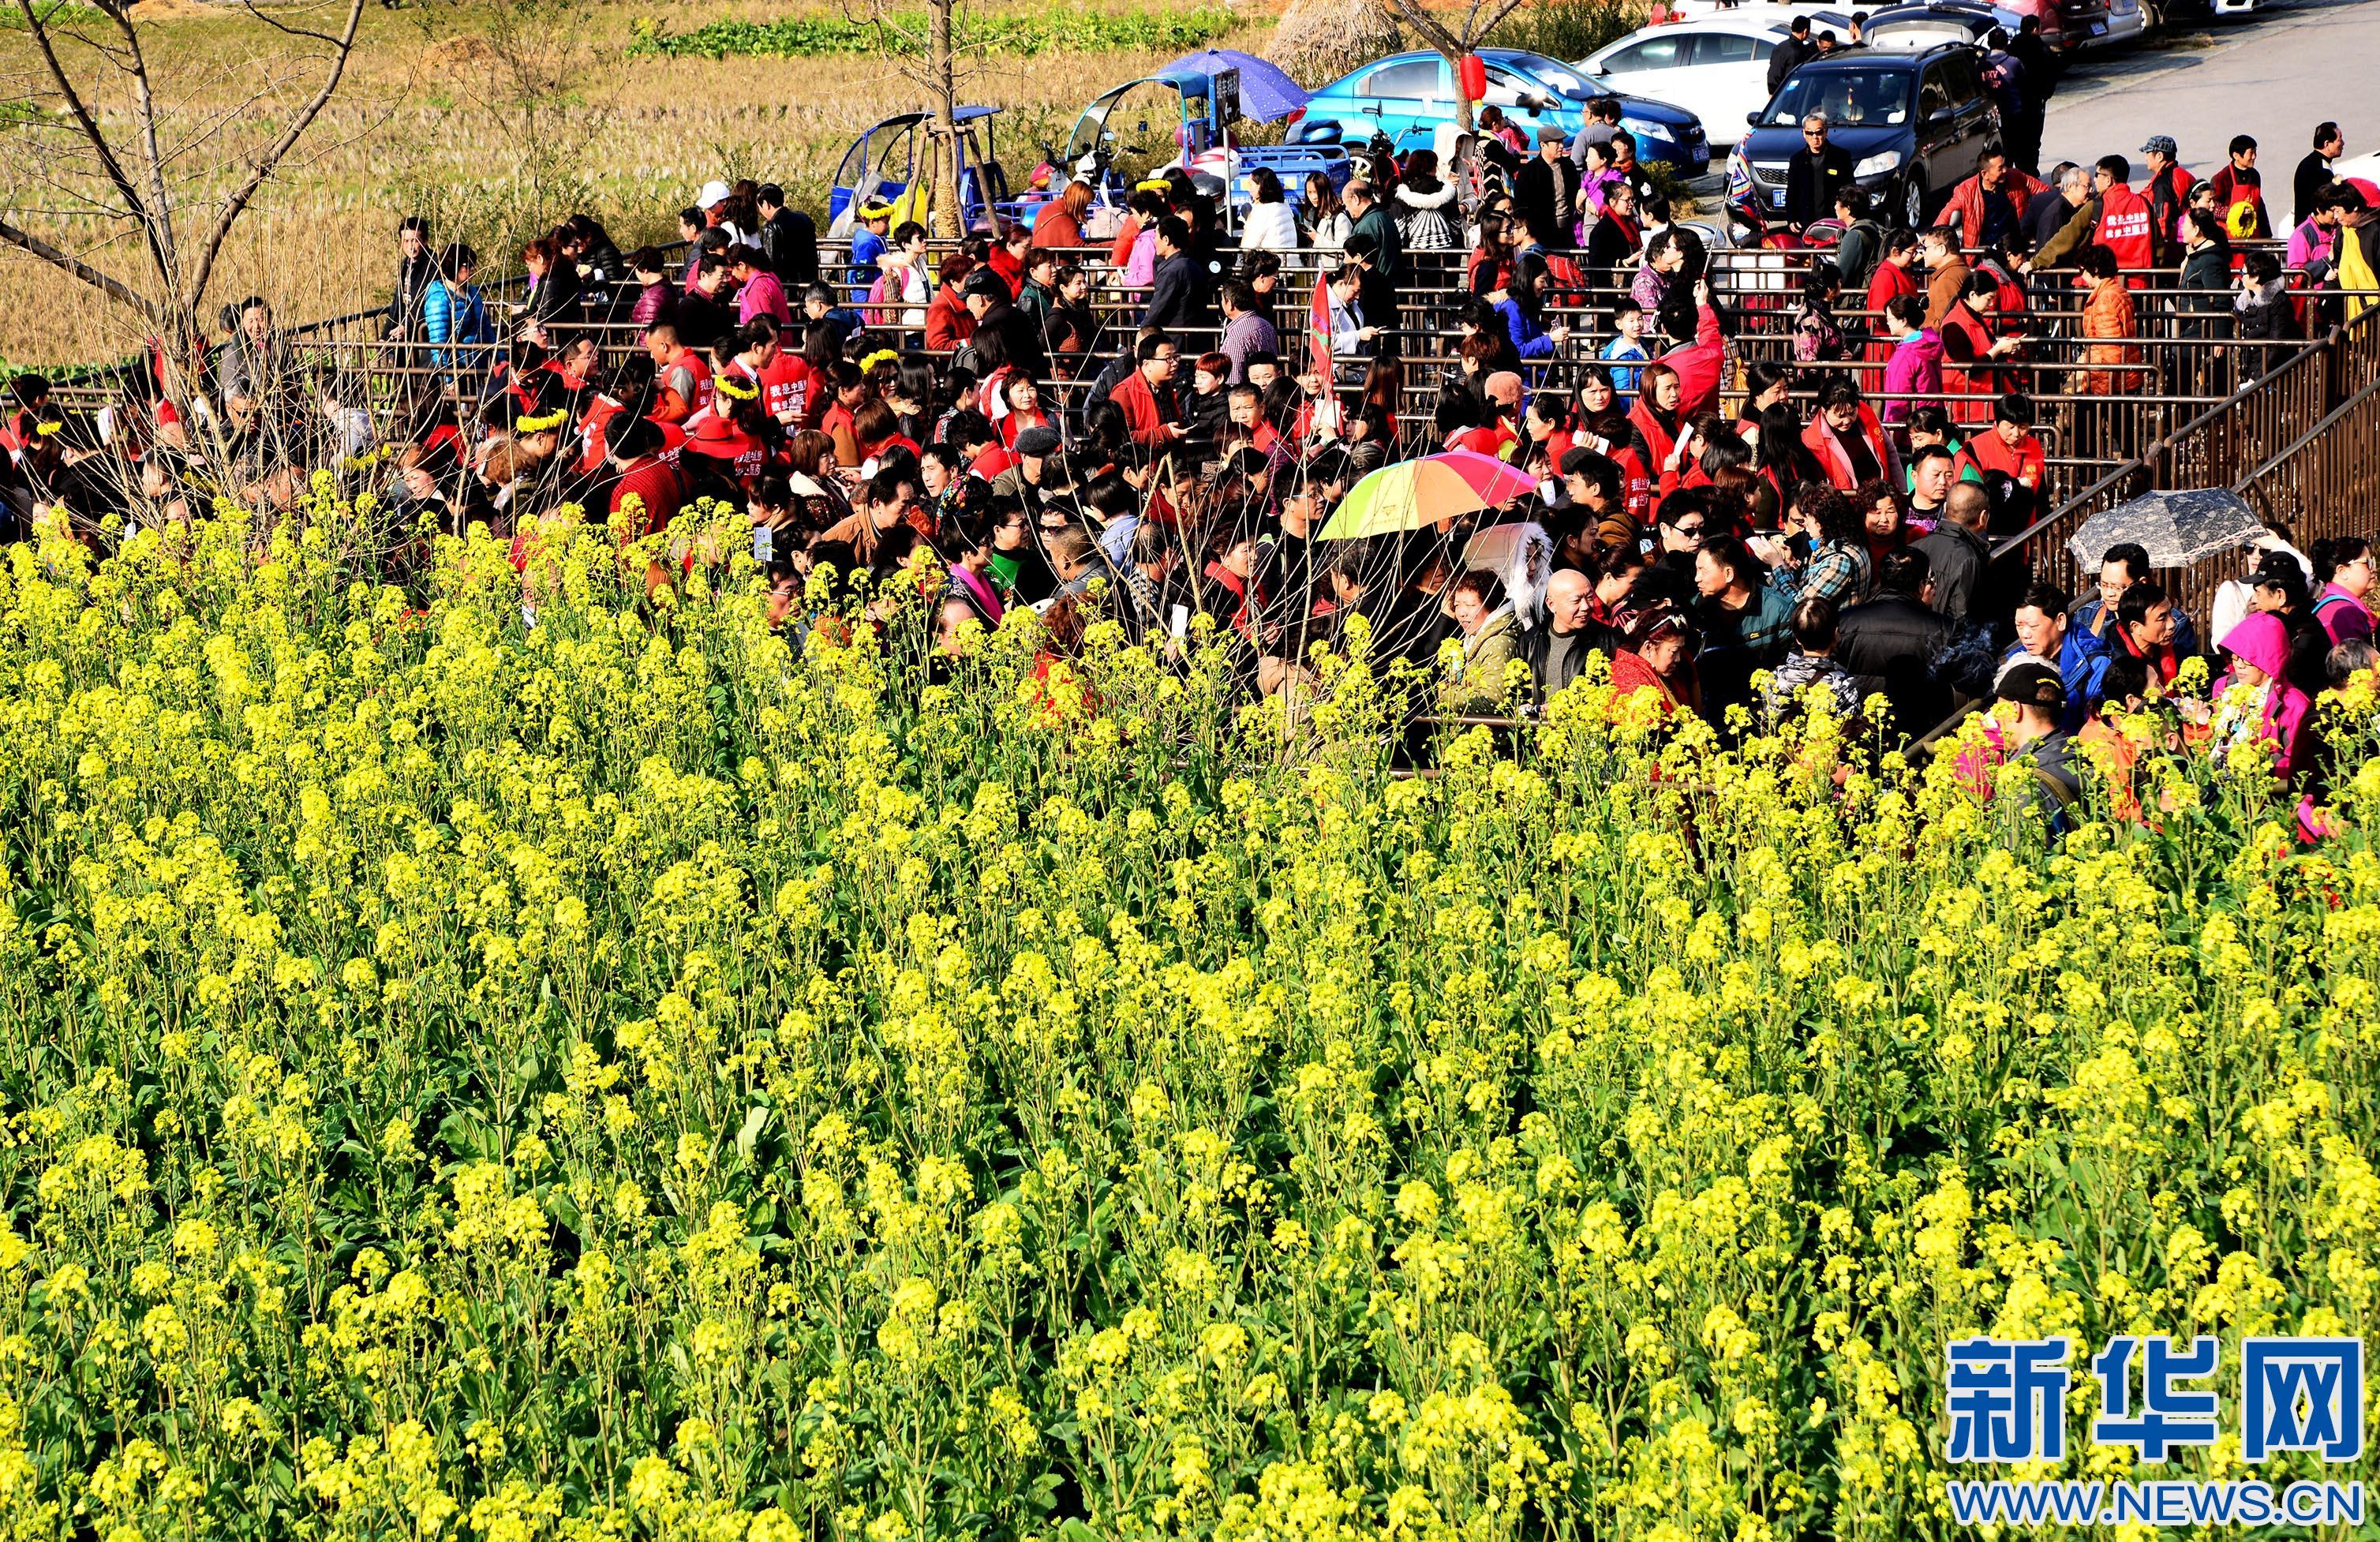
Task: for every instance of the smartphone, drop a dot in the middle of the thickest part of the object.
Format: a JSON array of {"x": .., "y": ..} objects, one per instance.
[{"x": 764, "y": 545}]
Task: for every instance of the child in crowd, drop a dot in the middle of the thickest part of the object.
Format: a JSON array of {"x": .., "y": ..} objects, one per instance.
[{"x": 1625, "y": 353}]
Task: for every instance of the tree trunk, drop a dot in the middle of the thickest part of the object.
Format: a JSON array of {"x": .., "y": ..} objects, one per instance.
[
  {"x": 1464, "y": 122},
  {"x": 950, "y": 220}
]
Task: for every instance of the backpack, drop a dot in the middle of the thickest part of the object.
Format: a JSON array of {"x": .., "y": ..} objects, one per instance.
[{"x": 1564, "y": 284}]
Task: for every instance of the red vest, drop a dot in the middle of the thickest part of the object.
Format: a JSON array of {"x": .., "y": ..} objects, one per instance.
[
  {"x": 787, "y": 385},
  {"x": 2124, "y": 227},
  {"x": 2024, "y": 464},
  {"x": 696, "y": 365},
  {"x": 1659, "y": 442}
]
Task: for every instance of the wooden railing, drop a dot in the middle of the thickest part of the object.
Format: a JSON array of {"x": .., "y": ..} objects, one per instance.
[
  {"x": 2256, "y": 439},
  {"x": 2326, "y": 482}
]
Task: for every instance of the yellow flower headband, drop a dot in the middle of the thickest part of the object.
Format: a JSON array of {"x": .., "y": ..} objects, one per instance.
[
  {"x": 47, "y": 428},
  {"x": 539, "y": 425},
  {"x": 728, "y": 385},
  {"x": 1154, "y": 185},
  {"x": 881, "y": 355}
]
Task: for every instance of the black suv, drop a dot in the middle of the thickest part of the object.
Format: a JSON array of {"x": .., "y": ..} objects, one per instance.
[{"x": 1912, "y": 122}]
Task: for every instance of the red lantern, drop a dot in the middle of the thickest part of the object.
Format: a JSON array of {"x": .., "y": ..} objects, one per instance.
[{"x": 1472, "y": 76}]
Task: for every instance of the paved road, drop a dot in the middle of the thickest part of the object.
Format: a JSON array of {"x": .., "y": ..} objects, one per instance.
[{"x": 2274, "y": 75}]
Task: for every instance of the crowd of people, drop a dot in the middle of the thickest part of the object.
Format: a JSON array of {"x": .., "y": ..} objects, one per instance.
[{"x": 1705, "y": 522}]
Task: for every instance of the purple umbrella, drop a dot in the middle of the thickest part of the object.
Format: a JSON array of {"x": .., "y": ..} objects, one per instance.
[{"x": 1266, "y": 92}]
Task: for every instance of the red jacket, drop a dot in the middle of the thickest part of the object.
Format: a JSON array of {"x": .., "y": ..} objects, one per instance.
[
  {"x": 1144, "y": 414},
  {"x": 948, "y": 321},
  {"x": 679, "y": 403},
  {"x": 1010, "y": 268},
  {"x": 1636, "y": 483},
  {"x": 1966, "y": 205},
  {"x": 1699, "y": 364}
]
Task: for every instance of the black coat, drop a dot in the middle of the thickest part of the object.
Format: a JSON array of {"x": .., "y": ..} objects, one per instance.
[
  {"x": 413, "y": 281},
  {"x": 1812, "y": 180},
  {"x": 1895, "y": 640},
  {"x": 700, "y": 320},
  {"x": 1791, "y": 55},
  {"x": 789, "y": 240},
  {"x": 1551, "y": 672},
  {"x": 1607, "y": 248},
  {"x": 2046, "y": 215},
  {"x": 2314, "y": 175},
  {"x": 1536, "y": 199},
  {"x": 1958, "y": 557},
  {"x": 2270, "y": 315},
  {"x": 1021, "y": 337},
  {"x": 2042, "y": 68},
  {"x": 1178, "y": 295},
  {"x": 556, "y": 301}
]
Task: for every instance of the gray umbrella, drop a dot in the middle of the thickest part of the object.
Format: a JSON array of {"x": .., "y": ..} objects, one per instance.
[{"x": 2178, "y": 529}]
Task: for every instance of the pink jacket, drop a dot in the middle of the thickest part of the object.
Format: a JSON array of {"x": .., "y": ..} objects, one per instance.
[
  {"x": 1914, "y": 368},
  {"x": 2343, "y": 616},
  {"x": 2309, "y": 243},
  {"x": 2264, "y": 641}
]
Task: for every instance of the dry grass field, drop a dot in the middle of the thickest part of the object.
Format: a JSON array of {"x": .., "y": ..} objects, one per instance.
[{"x": 491, "y": 116}]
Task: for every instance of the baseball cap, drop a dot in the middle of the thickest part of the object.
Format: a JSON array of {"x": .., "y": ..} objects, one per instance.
[
  {"x": 983, "y": 281},
  {"x": 712, "y": 192},
  {"x": 1576, "y": 459},
  {"x": 2274, "y": 569},
  {"x": 2161, "y": 144},
  {"x": 2031, "y": 683},
  {"x": 1504, "y": 387},
  {"x": 1039, "y": 441}
]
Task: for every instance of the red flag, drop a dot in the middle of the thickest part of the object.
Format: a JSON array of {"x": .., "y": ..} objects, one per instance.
[{"x": 1318, "y": 331}]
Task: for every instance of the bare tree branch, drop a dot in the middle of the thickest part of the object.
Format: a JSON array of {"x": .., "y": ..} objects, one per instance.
[
  {"x": 284, "y": 27},
  {"x": 1411, "y": 13},
  {"x": 1495, "y": 20},
  {"x": 271, "y": 157},
  {"x": 113, "y": 289},
  {"x": 145, "y": 114},
  {"x": 82, "y": 114}
]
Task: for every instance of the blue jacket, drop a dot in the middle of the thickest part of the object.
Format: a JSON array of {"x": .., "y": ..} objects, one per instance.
[
  {"x": 2185, "y": 635},
  {"x": 445, "y": 317},
  {"x": 1529, "y": 339},
  {"x": 2082, "y": 663},
  {"x": 1625, "y": 357}
]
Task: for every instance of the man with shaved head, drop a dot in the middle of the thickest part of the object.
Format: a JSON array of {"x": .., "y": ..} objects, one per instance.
[{"x": 1559, "y": 647}]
